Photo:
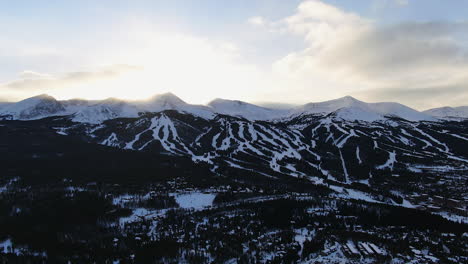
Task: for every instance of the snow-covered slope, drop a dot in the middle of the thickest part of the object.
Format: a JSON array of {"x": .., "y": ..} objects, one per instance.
[
  {"x": 354, "y": 113},
  {"x": 169, "y": 101},
  {"x": 74, "y": 105},
  {"x": 115, "y": 108},
  {"x": 104, "y": 110},
  {"x": 245, "y": 110},
  {"x": 33, "y": 108},
  {"x": 4, "y": 104},
  {"x": 94, "y": 112},
  {"x": 447, "y": 112},
  {"x": 396, "y": 109},
  {"x": 349, "y": 108}
]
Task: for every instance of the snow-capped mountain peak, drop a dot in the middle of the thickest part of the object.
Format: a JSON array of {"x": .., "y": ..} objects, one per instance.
[
  {"x": 330, "y": 106},
  {"x": 448, "y": 112},
  {"x": 104, "y": 110},
  {"x": 245, "y": 110},
  {"x": 162, "y": 102},
  {"x": 169, "y": 101},
  {"x": 350, "y": 108},
  {"x": 33, "y": 108},
  {"x": 168, "y": 98}
]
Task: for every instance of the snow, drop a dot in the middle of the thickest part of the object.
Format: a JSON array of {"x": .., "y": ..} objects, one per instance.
[
  {"x": 36, "y": 107},
  {"x": 111, "y": 141},
  {"x": 9, "y": 183},
  {"x": 447, "y": 112},
  {"x": 214, "y": 140},
  {"x": 75, "y": 189},
  {"x": 240, "y": 167},
  {"x": 6, "y": 246},
  {"x": 169, "y": 101},
  {"x": 367, "y": 247},
  {"x": 342, "y": 142},
  {"x": 353, "y": 194},
  {"x": 389, "y": 163},
  {"x": 358, "y": 195},
  {"x": 241, "y": 131},
  {"x": 349, "y": 108},
  {"x": 345, "y": 171},
  {"x": 407, "y": 204},
  {"x": 375, "y": 145},
  {"x": 95, "y": 112},
  {"x": 253, "y": 132},
  {"x": 446, "y": 149},
  {"x": 122, "y": 199},
  {"x": 358, "y": 157},
  {"x": 346, "y": 108},
  {"x": 169, "y": 138},
  {"x": 104, "y": 110},
  {"x": 458, "y": 136},
  {"x": 352, "y": 247},
  {"x": 356, "y": 113},
  {"x": 376, "y": 249},
  {"x": 130, "y": 144},
  {"x": 457, "y": 158},
  {"x": 61, "y": 131},
  {"x": 245, "y": 110},
  {"x": 195, "y": 200},
  {"x": 332, "y": 254},
  {"x": 137, "y": 214},
  {"x": 453, "y": 217}
]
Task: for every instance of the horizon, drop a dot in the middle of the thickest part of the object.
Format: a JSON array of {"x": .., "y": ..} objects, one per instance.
[
  {"x": 376, "y": 50},
  {"x": 267, "y": 105}
]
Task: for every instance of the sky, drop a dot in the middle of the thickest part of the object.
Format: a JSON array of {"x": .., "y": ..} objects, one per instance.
[{"x": 410, "y": 51}]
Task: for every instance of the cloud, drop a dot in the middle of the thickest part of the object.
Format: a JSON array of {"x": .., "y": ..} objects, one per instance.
[
  {"x": 402, "y": 2},
  {"x": 257, "y": 21},
  {"x": 33, "y": 75},
  {"x": 196, "y": 68},
  {"x": 349, "y": 54},
  {"x": 30, "y": 80},
  {"x": 36, "y": 83},
  {"x": 426, "y": 97}
]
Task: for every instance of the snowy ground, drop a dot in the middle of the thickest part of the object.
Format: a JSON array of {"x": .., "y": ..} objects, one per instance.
[{"x": 195, "y": 200}]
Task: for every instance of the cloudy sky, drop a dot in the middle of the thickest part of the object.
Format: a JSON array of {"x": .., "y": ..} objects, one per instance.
[{"x": 411, "y": 51}]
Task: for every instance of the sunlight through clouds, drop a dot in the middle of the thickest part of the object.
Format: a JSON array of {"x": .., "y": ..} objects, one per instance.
[{"x": 192, "y": 67}]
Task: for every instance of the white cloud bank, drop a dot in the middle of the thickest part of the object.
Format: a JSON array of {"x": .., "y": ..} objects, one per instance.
[{"x": 349, "y": 54}]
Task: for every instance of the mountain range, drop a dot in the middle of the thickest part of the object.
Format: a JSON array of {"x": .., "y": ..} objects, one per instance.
[
  {"x": 370, "y": 151},
  {"x": 346, "y": 108}
]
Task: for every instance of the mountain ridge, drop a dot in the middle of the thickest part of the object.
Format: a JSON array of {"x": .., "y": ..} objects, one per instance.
[
  {"x": 96, "y": 111},
  {"x": 448, "y": 112}
]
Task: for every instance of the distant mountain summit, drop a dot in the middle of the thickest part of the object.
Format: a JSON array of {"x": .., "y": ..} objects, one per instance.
[
  {"x": 245, "y": 110},
  {"x": 32, "y": 108},
  {"x": 349, "y": 108},
  {"x": 169, "y": 101},
  {"x": 449, "y": 112},
  {"x": 104, "y": 110}
]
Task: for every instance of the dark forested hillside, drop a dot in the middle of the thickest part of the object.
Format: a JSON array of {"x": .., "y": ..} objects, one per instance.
[{"x": 170, "y": 187}]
